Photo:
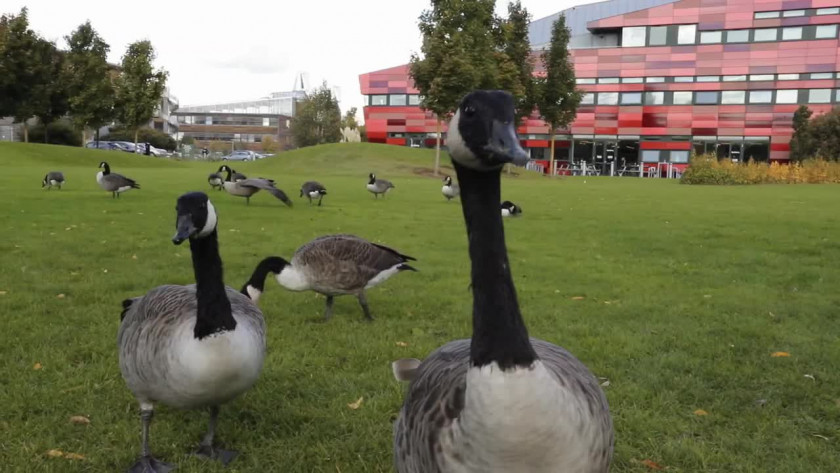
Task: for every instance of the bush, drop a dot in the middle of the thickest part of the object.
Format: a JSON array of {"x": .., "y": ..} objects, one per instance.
[
  {"x": 158, "y": 139},
  {"x": 60, "y": 132},
  {"x": 707, "y": 169}
]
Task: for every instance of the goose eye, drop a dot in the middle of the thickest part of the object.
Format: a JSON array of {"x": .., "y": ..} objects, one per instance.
[{"x": 469, "y": 111}]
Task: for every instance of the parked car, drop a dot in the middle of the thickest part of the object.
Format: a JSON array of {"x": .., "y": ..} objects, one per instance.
[
  {"x": 241, "y": 155},
  {"x": 126, "y": 145},
  {"x": 109, "y": 145},
  {"x": 141, "y": 149}
]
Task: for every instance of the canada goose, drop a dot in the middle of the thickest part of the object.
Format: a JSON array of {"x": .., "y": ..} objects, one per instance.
[
  {"x": 500, "y": 402},
  {"x": 449, "y": 189},
  {"x": 191, "y": 346},
  {"x": 216, "y": 181},
  {"x": 248, "y": 187},
  {"x": 509, "y": 209},
  {"x": 237, "y": 176},
  {"x": 334, "y": 265},
  {"x": 53, "y": 178},
  {"x": 378, "y": 186},
  {"x": 313, "y": 190},
  {"x": 114, "y": 183}
]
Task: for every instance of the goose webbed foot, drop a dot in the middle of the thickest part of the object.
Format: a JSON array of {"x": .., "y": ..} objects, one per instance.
[
  {"x": 210, "y": 452},
  {"x": 149, "y": 464}
]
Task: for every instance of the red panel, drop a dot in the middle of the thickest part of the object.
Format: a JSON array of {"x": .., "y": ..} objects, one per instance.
[
  {"x": 395, "y": 141},
  {"x": 665, "y": 145}
]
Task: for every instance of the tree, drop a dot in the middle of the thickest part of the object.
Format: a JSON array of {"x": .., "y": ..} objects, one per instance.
[
  {"x": 89, "y": 82},
  {"x": 269, "y": 144},
  {"x": 54, "y": 101},
  {"x": 349, "y": 119},
  {"x": 318, "y": 119},
  {"x": 458, "y": 56},
  {"x": 558, "y": 97},
  {"x": 802, "y": 145},
  {"x": 824, "y": 134},
  {"x": 25, "y": 65},
  {"x": 517, "y": 53},
  {"x": 139, "y": 87}
]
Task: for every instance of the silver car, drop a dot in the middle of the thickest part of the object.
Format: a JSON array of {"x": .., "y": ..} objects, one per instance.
[{"x": 241, "y": 155}]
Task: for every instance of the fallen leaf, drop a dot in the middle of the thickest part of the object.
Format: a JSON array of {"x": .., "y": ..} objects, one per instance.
[
  {"x": 700, "y": 412},
  {"x": 133, "y": 256},
  {"x": 707, "y": 296},
  {"x": 80, "y": 420},
  {"x": 55, "y": 453},
  {"x": 73, "y": 273},
  {"x": 820, "y": 436},
  {"x": 402, "y": 344},
  {"x": 605, "y": 384},
  {"x": 780, "y": 354},
  {"x": 68, "y": 228},
  {"x": 357, "y": 404},
  {"x": 60, "y": 296},
  {"x": 74, "y": 456},
  {"x": 3, "y": 293},
  {"x": 652, "y": 465},
  {"x": 761, "y": 402},
  {"x": 37, "y": 366},
  {"x": 578, "y": 298},
  {"x": 104, "y": 270},
  {"x": 811, "y": 377}
]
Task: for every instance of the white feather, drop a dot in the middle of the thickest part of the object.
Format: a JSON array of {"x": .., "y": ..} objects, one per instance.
[
  {"x": 253, "y": 293},
  {"x": 505, "y": 213},
  {"x": 99, "y": 177},
  {"x": 314, "y": 194},
  {"x": 123, "y": 189},
  {"x": 383, "y": 276},
  {"x": 457, "y": 147},
  {"x": 292, "y": 279},
  {"x": 210, "y": 224}
]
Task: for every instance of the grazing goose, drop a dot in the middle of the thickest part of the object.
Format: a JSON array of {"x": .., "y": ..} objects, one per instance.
[
  {"x": 333, "y": 265},
  {"x": 313, "y": 190},
  {"x": 237, "y": 176},
  {"x": 500, "y": 402},
  {"x": 114, "y": 183},
  {"x": 449, "y": 189},
  {"x": 53, "y": 178},
  {"x": 378, "y": 186},
  {"x": 216, "y": 181},
  {"x": 248, "y": 187},
  {"x": 509, "y": 209},
  {"x": 191, "y": 346}
]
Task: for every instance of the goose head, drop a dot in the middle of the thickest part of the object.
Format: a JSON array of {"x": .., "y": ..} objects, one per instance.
[
  {"x": 447, "y": 181},
  {"x": 372, "y": 178},
  {"x": 44, "y": 182},
  {"x": 196, "y": 217},
  {"x": 482, "y": 135},
  {"x": 255, "y": 286},
  {"x": 104, "y": 165}
]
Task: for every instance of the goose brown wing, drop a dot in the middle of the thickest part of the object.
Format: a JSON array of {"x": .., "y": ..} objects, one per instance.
[
  {"x": 435, "y": 398},
  {"x": 266, "y": 185},
  {"x": 344, "y": 261}
]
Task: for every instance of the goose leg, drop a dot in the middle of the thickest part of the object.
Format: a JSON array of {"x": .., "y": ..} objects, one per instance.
[
  {"x": 206, "y": 448},
  {"x": 319, "y": 201},
  {"x": 364, "y": 304},
  {"x": 328, "y": 310},
  {"x": 147, "y": 463}
]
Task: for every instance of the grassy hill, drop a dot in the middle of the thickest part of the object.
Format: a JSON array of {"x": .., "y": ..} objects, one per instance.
[{"x": 676, "y": 295}]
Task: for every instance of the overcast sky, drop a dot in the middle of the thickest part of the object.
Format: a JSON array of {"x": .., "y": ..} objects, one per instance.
[{"x": 241, "y": 50}]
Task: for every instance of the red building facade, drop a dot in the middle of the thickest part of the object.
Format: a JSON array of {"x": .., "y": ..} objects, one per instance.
[{"x": 709, "y": 76}]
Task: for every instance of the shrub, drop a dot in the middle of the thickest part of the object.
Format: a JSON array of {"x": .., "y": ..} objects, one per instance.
[
  {"x": 60, "y": 132},
  {"x": 707, "y": 169}
]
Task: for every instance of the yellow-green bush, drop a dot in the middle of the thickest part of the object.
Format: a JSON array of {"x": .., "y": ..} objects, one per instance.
[{"x": 707, "y": 169}]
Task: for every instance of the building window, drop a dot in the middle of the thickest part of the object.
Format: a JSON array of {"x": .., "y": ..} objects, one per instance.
[
  {"x": 686, "y": 34},
  {"x": 761, "y": 96},
  {"x": 787, "y": 96},
  {"x": 608, "y": 80},
  {"x": 733, "y": 97},
  {"x": 788, "y": 76},
  {"x": 826, "y": 31},
  {"x": 608, "y": 98},
  {"x": 586, "y": 80},
  {"x": 763, "y": 15},
  {"x": 760, "y": 77},
  {"x": 737, "y": 36},
  {"x": 708, "y": 78},
  {"x": 398, "y": 100},
  {"x": 684, "y": 79},
  {"x": 650, "y": 155},
  {"x": 711, "y": 37},
  {"x": 658, "y": 36},
  {"x": 633, "y": 36},
  {"x": 766, "y": 34},
  {"x": 654, "y": 98},
  {"x": 734, "y": 78},
  {"x": 792, "y": 34},
  {"x": 265, "y": 121},
  {"x": 632, "y": 80},
  {"x": 682, "y": 98},
  {"x": 631, "y": 98},
  {"x": 653, "y": 80},
  {"x": 822, "y": 75},
  {"x": 379, "y": 100},
  {"x": 819, "y": 96},
  {"x": 828, "y": 11},
  {"x": 588, "y": 99},
  {"x": 793, "y": 13},
  {"x": 837, "y": 95},
  {"x": 679, "y": 156},
  {"x": 706, "y": 98},
  {"x": 414, "y": 99}
]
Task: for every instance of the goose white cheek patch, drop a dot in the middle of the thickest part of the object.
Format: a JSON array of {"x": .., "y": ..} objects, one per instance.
[{"x": 210, "y": 224}]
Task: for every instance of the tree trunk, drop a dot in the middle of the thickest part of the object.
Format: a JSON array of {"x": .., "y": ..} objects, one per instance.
[
  {"x": 437, "y": 148},
  {"x": 551, "y": 155},
  {"x": 25, "y": 132},
  {"x": 46, "y": 133}
]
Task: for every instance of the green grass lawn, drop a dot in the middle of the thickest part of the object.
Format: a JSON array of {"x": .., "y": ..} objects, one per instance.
[{"x": 677, "y": 295}]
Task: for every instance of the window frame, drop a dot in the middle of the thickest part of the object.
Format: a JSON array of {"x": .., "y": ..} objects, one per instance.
[
  {"x": 753, "y": 93},
  {"x": 725, "y": 101},
  {"x": 757, "y": 30}
]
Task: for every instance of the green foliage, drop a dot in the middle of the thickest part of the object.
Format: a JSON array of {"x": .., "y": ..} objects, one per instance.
[
  {"x": 802, "y": 144},
  {"x": 318, "y": 119},
  {"x": 517, "y": 52},
  {"x": 157, "y": 138},
  {"x": 88, "y": 80},
  {"x": 558, "y": 97},
  {"x": 188, "y": 140},
  {"x": 139, "y": 87},
  {"x": 269, "y": 144},
  {"x": 363, "y": 133},
  {"x": 58, "y": 132},
  {"x": 349, "y": 119},
  {"x": 708, "y": 169},
  {"x": 824, "y": 134}
]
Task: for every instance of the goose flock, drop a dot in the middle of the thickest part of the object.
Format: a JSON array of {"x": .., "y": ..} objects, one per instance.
[{"x": 499, "y": 401}]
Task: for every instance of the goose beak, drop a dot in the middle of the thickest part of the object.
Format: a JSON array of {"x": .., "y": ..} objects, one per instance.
[
  {"x": 504, "y": 144},
  {"x": 185, "y": 229}
]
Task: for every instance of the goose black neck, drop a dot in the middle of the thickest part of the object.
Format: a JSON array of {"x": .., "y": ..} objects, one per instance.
[
  {"x": 271, "y": 264},
  {"x": 499, "y": 333},
  {"x": 229, "y": 172},
  {"x": 214, "y": 311},
  {"x": 106, "y": 170}
]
